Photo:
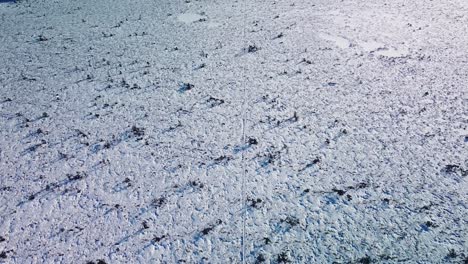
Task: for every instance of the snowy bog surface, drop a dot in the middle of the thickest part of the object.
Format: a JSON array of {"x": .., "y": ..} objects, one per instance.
[{"x": 221, "y": 131}]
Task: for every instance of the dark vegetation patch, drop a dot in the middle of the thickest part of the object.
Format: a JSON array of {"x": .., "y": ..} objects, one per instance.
[
  {"x": 272, "y": 156},
  {"x": 280, "y": 35},
  {"x": 4, "y": 254},
  {"x": 138, "y": 131},
  {"x": 422, "y": 208},
  {"x": 196, "y": 184},
  {"x": 34, "y": 147},
  {"x": 342, "y": 192},
  {"x": 158, "y": 202},
  {"x": 252, "y": 48},
  {"x": 274, "y": 122},
  {"x": 26, "y": 78},
  {"x": 135, "y": 86},
  {"x": 80, "y": 133},
  {"x": 200, "y": 66},
  {"x": 222, "y": 159},
  {"x": 172, "y": 128},
  {"x": 107, "y": 35},
  {"x": 99, "y": 261},
  {"x": 186, "y": 87},
  {"x": 55, "y": 186},
  {"x": 42, "y": 38},
  {"x": 205, "y": 231},
  {"x": 77, "y": 176},
  {"x": 255, "y": 203},
  {"x": 260, "y": 258},
  {"x": 455, "y": 169},
  {"x": 252, "y": 141},
  {"x": 291, "y": 221},
  {"x": 158, "y": 239},
  {"x": 310, "y": 164},
  {"x": 283, "y": 258},
  {"x": 451, "y": 254},
  {"x": 304, "y": 60},
  {"x": 338, "y": 191},
  {"x": 213, "y": 102},
  {"x": 124, "y": 83},
  {"x": 122, "y": 186},
  {"x": 365, "y": 260}
]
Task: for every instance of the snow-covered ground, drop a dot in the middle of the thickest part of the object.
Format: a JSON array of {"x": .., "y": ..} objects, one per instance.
[{"x": 221, "y": 131}]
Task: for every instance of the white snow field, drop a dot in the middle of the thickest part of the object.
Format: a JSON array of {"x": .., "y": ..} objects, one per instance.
[{"x": 223, "y": 131}]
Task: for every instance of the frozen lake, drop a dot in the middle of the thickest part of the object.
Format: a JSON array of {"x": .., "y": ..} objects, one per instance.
[{"x": 233, "y": 131}]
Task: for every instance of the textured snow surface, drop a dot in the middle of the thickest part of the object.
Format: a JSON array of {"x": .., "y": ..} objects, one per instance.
[{"x": 220, "y": 131}]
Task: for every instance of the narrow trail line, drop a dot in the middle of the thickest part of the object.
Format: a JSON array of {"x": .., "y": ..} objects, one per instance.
[{"x": 244, "y": 106}]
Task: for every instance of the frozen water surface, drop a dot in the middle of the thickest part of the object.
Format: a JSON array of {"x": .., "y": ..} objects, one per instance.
[
  {"x": 337, "y": 40},
  {"x": 233, "y": 131},
  {"x": 190, "y": 18}
]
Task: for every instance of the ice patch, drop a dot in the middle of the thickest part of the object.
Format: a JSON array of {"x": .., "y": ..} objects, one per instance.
[
  {"x": 381, "y": 49},
  {"x": 371, "y": 46},
  {"x": 190, "y": 18},
  {"x": 213, "y": 25},
  {"x": 339, "y": 41},
  {"x": 393, "y": 52}
]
